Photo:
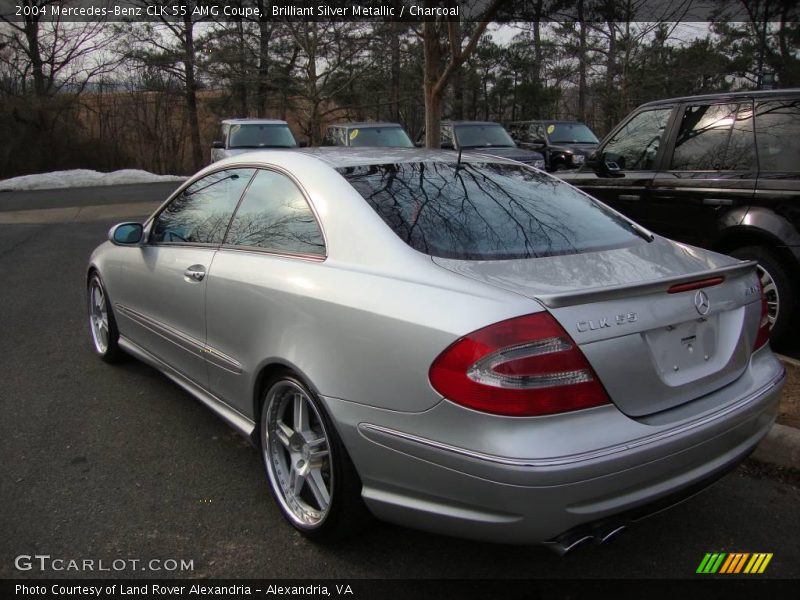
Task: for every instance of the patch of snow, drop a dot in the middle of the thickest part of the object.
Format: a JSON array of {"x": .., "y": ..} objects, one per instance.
[{"x": 81, "y": 178}]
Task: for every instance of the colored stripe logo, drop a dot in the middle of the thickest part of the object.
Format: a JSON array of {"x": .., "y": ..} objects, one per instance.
[{"x": 734, "y": 563}]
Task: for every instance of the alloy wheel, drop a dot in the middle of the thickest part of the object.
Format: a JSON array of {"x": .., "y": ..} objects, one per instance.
[
  {"x": 297, "y": 453},
  {"x": 98, "y": 317},
  {"x": 771, "y": 294}
]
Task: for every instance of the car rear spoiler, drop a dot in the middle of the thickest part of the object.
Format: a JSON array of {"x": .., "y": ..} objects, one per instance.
[{"x": 613, "y": 292}]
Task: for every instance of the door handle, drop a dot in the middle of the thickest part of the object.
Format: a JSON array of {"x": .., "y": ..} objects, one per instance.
[{"x": 194, "y": 273}]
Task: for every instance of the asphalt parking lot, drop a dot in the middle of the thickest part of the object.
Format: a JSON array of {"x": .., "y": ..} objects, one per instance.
[{"x": 109, "y": 462}]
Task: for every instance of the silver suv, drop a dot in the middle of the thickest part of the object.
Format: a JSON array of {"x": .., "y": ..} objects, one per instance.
[{"x": 243, "y": 135}]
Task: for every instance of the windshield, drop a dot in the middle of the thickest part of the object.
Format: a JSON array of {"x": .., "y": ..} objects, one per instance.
[
  {"x": 570, "y": 133},
  {"x": 483, "y": 135},
  {"x": 388, "y": 137},
  {"x": 261, "y": 135},
  {"x": 485, "y": 211}
]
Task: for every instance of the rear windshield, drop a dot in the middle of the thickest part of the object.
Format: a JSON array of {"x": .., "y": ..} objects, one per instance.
[
  {"x": 483, "y": 135},
  {"x": 486, "y": 211},
  {"x": 258, "y": 135},
  {"x": 391, "y": 137}
]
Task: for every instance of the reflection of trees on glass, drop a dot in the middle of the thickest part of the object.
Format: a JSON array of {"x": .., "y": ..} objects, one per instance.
[
  {"x": 485, "y": 211},
  {"x": 201, "y": 213},
  {"x": 274, "y": 215},
  {"x": 714, "y": 137},
  {"x": 777, "y": 133},
  {"x": 635, "y": 146}
]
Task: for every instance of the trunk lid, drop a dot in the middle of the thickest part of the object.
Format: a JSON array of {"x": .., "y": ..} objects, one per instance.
[{"x": 652, "y": 349}]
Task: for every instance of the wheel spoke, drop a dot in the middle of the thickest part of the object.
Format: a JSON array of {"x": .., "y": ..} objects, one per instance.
[
  {"x": 318, "y": 449},
  {"x": 296, "y": 481},
  {"x": 284, "y": 433},
  {"x": 301, "y": 422},
  {"x": 317, "y": 486}
]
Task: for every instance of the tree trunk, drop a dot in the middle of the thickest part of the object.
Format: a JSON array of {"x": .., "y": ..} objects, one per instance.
[
  {"x": 191, "y": 93},
  {"x": 611, "y": 68},
  {"x": 433, "y": 100},
  {"x": 581, "y": 63},
  {"x": 35, "y": 56},
  {"x": 262, "y": 88},
  {"x": 241, "y": 83},
  {"x": 538, "y": 57},
  {"x": 394, "y": 88}
]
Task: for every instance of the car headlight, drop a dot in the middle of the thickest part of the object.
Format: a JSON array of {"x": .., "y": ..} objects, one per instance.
[{"x": 578, "y": 159}]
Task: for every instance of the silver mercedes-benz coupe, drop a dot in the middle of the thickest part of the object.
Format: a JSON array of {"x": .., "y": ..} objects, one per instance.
[{"x": 462, "y": 344}]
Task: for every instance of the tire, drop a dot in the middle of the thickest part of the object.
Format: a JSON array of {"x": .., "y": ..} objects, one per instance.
[
  {"x": 325, "y": 505},
  {"x": 778, "y": 287},
  {"x": 102, "y": 324}
]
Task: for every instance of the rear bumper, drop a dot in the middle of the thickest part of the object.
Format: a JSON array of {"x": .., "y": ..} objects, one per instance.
[{"x": 462, "y": 473}]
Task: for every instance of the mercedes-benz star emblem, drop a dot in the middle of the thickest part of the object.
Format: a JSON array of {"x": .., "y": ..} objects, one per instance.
[{"x": 701, "y": 302}]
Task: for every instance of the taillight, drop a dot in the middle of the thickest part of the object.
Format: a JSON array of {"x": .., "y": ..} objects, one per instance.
[
  {"x": 762, "y": 337},
  {"x": 525, "y": 366}
]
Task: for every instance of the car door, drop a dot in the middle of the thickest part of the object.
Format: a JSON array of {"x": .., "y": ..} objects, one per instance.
[
  {"x": 164, "y": 280},
  {"x": 260, "y": 285},
  {"x": 635, "y": 148},
  {"x": 778, "y": 191},
  {"x": 710, "y": 174}
]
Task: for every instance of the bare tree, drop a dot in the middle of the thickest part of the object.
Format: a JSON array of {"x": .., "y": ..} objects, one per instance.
[
  {"x": 331, "y": 56},
  {"x": 443, "y": 57},
  {"x": 172, "y": 46}
]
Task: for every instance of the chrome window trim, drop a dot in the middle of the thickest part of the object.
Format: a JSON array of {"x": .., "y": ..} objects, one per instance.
[
  {"x": 366, "y": 428},
  {"x": 317, "y": 258}
]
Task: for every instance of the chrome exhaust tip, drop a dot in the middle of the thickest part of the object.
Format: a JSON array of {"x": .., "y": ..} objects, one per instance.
[
  {"x": 611, "y": 533},
  {"x": 569, "y": 541}
]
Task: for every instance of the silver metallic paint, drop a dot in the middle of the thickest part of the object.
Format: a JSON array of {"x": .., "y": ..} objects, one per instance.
[{"x": 362, "y": 326}]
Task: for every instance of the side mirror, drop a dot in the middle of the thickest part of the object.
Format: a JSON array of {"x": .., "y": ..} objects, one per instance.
[
  {"x": 303, "y": 143},
  {"x": 126, "y": 234},
  {"x": 448, "y": 146},
  {"x": 603, "y": 165},
  {"x": 218, "y": 145},
  {"x": 539, "y": 142}
]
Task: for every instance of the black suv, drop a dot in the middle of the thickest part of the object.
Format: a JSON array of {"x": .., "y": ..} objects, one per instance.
[
  {"x": 485, "y": 137},
  {"x": 565, "y": 144},
  {"x": 719, "y": 171},
  {"x": 386, "y": 135}
]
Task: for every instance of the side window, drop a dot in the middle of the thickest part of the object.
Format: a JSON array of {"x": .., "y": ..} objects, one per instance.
[
  {"x": 539, "y": 135},
  {"x": 740, "y": 155},
  {"x": 777, "y": 132},
  {"x": 201, "y": 213},
  {"x": 274, "y": 215},
  {"x": 703, "y": 138},
  {"x": 635, "y": 146},
  {"x": 328, "y": 139}
]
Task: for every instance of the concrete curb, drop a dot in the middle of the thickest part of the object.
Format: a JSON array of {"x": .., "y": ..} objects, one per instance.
[{"x": 781, "y": 447}]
